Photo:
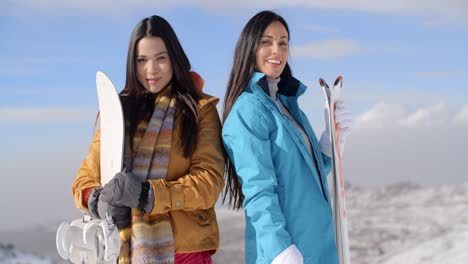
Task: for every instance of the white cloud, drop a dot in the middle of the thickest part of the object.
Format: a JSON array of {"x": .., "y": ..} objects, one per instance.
[
  {"x": 392, "y": 143},
  {"x": 381, "y": 115},
  {"x": 462, "y": 116},
  {"x": 37, "y": 66},
  {"x": 15, "y": 70},
  {"x": 45, "y": 114},
  {"x": 327, "y": 49},
  {"x": 441, "y": 73},
  {"x": 439, "y": 11},
  {"x": 429, "y": 116},
  {"x": 401, "y": 139},
  {"x": 384, "y": 115},
  {"x": 321, "y": 29},
  {"x": 365, "y": 94}
]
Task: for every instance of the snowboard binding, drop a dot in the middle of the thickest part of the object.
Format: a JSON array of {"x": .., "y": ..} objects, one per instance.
[{"x": 88, "y": 240}]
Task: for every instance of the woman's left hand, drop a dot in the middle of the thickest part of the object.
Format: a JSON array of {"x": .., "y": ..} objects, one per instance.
[
  {"x": 344, "y": 121},
  {"x": 123, "y": 190}
]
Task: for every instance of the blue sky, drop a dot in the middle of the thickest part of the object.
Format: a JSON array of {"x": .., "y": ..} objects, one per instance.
[{"x": 404, "y": 65}]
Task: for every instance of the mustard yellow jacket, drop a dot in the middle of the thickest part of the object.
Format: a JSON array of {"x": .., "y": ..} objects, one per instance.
[{"x": 192, "y": 185}]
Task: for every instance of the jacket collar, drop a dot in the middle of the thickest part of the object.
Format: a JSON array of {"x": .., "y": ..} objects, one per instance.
[{"x": 288, "y": 86}]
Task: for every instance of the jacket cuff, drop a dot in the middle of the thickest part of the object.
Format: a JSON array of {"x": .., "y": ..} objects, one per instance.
[
  {"x": 291, "y": 255},
  {"x": 85, "y": 196},
  {"x": 177, "y": 197}
]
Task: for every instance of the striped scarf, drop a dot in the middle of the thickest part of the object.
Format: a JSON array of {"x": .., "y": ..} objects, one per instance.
[{"x": 149, "y": 239}]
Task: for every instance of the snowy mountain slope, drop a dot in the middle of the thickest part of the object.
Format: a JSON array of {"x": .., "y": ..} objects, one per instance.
[
  {"x": 10, "y": 255},
  {"x": 404, "y": 223},
  {"x": 451, "y": 248},
  {"x": 401, "y": 223}
]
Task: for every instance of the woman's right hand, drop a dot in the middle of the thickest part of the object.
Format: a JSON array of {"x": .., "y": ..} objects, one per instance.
[
  {"x": 291, "y": 255},
  {"x": 98, "y": 208}
]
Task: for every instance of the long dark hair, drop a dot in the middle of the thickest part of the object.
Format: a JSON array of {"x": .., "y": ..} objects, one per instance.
[
  {"x": 135, "y": 98},
  {"x": 241, "y": 72}
]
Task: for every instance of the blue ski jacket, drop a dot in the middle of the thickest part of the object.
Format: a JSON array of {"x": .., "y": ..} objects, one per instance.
[{"x": 285, "y": 188}]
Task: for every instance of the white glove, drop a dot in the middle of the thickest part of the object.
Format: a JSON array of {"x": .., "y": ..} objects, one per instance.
[
  {"x": 291, "y": 255},
  {"x": 345, "y": 124}
]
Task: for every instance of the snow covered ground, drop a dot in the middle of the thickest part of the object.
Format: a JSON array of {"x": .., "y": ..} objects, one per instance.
[
  {"x": 404, "y": 223},
  {"x": 401, "y": 223},
  {"x": 11, "y": 255}
]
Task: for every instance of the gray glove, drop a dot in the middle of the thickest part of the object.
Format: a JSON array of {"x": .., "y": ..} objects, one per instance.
[
  {"x": 98, "y": 208},
  {"x": 125, "y": 189},
  {"x": 121, "y": 216}
]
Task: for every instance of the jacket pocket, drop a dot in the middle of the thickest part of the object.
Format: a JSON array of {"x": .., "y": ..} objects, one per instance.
[{"x": 202, "y": 217}]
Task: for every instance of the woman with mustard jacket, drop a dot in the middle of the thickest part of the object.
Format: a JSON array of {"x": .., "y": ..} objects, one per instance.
[{"x": 163, "y": 201}]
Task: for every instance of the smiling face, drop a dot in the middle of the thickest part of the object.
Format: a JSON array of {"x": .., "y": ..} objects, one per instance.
[
  {"x": 272, "y": 50},
  {"x": 154, "y": 67}
]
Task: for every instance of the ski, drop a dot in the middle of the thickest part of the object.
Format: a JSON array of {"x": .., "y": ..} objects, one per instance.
[{"x": 338, "y": 192}]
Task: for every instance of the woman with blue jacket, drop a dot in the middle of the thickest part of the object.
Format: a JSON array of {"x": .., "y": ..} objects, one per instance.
[{"x": 277, "y": 168}]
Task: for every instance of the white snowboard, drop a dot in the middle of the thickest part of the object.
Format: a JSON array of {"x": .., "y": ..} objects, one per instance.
[
  {"x": 91, "y": 240},
  {"x": 112, "y": 127}
]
